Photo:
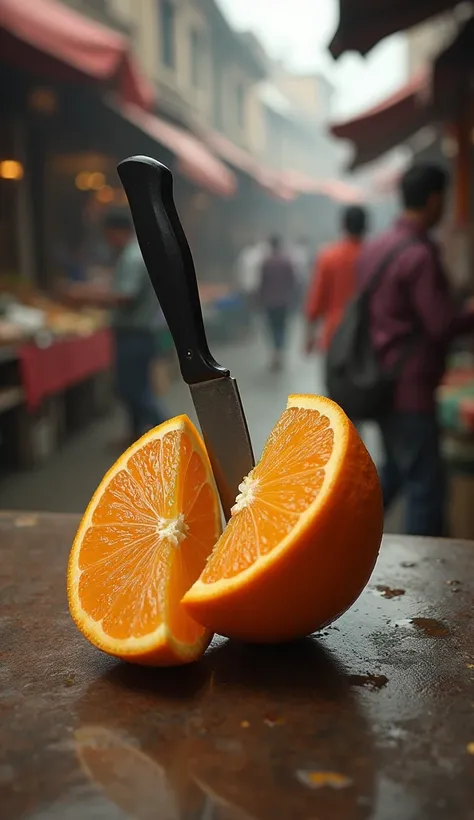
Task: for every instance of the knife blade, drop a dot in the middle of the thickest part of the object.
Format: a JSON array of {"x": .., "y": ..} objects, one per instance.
[{"x": 149, "y": 188}]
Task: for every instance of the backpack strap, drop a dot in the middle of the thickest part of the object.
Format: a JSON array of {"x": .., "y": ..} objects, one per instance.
[{"x": 375, "y": 280}]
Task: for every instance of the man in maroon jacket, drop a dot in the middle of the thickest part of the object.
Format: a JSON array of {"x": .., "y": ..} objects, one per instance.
[{"x": 413, "y": 321}]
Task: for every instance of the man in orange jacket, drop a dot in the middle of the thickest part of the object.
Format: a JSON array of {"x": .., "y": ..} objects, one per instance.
[{"x": 334, "y": 283}]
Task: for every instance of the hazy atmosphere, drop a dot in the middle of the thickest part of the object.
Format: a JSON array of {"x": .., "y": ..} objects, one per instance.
[
  {"x": 236, "y": 409},
  {"x": 298, "y": 33}
]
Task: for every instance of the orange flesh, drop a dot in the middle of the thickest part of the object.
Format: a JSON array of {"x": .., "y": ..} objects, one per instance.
[
  {"x": 287, "y": 479},
  {"x": 132, "y": 579}
]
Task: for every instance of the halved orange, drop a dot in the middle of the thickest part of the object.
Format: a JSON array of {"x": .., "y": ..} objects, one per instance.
[
  {"x": 304, "y": 534},
  {"x": 142, "y": 542}
]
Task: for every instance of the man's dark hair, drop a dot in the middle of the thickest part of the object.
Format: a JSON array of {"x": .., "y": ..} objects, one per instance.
[
  {"x": 275, "y": 241},
  {"x": 118, "y": 219},
  {"x": 420, "y": 181},
  {"x": 354, "y": 220}
]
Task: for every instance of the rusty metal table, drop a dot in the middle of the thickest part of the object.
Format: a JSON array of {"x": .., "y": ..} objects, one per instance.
[{"x": 371, "y": 718}]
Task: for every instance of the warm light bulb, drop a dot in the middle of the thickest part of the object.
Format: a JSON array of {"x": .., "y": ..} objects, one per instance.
[
  {"x": 82, "y": 180},
  {"x": 43, "y": 100},
  {"x": 96, "y": 180},
  {"x": 11, "y": 169},
  {"x": 105, "y": 195}
]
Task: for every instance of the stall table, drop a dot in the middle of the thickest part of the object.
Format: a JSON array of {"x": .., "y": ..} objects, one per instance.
[
  {"x": 52, "y": 369},
  {"x": 48, "y": 389},
  {"x": 373, "y": 717}
]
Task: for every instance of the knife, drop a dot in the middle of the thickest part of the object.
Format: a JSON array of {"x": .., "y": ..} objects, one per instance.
[{"x": 149, "y": 188}]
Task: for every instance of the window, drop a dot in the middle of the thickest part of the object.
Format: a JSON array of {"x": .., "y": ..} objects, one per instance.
[
  {"x": 196, "y": 58},
  {"x": 240, "y": 105},
  {"x": 98, "y": 5},
  {"x": 167, "y": 33}
]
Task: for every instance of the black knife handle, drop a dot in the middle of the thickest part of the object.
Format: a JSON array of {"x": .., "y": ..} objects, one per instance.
[{"x": 149, "y": 188}]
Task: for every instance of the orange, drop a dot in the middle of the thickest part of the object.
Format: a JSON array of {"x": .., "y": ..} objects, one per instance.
[
  {"x": 142, "y": 542},
  {"x": 304, "y": 534}
]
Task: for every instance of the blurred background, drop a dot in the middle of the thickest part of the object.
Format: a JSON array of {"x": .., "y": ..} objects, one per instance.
[{"x": 272, "y": 117}]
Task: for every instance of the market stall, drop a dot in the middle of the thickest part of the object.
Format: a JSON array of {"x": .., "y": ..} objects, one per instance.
[
  {"x": 223, "y": 311},
  {"x": 456, "y": 410},
  {"x": 55, "y": 367}
]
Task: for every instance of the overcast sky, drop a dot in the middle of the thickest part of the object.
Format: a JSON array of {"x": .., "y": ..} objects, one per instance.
[{"x": 298, "y": 32}]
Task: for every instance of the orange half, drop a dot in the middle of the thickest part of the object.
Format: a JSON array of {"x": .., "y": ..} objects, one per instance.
[
  {"x": 141, "y": 544},
  {"x": 304, "y": 534}
]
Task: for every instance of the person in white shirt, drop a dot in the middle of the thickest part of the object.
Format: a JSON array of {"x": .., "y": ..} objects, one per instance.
[
  {"x": 301, "y": 258},
  {"x": 248, "y": 266}
]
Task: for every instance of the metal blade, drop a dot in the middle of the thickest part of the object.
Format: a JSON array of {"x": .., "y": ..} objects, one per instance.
[{"x": 224, "y": 428}]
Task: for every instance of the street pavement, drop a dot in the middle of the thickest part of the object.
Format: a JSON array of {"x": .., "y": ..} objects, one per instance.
[{"x": 66, "y": 481}]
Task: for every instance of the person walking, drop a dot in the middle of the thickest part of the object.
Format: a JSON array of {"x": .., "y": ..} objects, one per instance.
[
  {"x": 300, "y": 255},
  {"x": 135, "y": 322},
  {"x": 276, "y": 294},
  {"x": 413, "y": 320},
  {"x": 248, "y": 266},
  {"x": 333, "y": 282}
]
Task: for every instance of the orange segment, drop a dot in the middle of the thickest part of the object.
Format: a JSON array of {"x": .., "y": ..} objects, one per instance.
[
  {"x": 304, "y": 534},
  {"x": 142, "y": 543}
]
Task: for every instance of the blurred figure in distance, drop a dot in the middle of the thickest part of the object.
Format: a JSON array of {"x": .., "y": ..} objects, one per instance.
[
  {"x": 300, "y": 255},
  {"x": 135, "y": 321},
  {"x": 334, "y": 279},
  {"x": 248, "y": 266},
  {"x": 276, "y": 295},
  {"x": 413, "y": 320}
]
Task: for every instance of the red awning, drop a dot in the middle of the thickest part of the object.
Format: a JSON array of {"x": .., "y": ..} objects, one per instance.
[
  {"x": 363, "y": 23},
  {"x": 342, "y": 192},
  {"x": 387, "y": 125},
  {"x": 335, "y": 189},
  {"x": 240, "y": 159},
  {"x": 195, "y": 161},
  {"x": 237, "y": 157},
  {"x": 286, "y": 185},
  {"x": 440, "y": 95},
  {"x": 301, "y": 183},
  {"x": 51, "y": 30},
  {"x": 385, "y": 181},
  {"x": 293, "y": 184}
]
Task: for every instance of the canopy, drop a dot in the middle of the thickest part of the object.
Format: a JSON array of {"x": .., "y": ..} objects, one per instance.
[
  {"x": 438, "y": 95},
  {"x": 49, "y": 36},
  {"x": 195, "y": 160},
  {"x": 385, "y": 126},
  {"x": 240, "y": 159},
  {"x": 335, "y": 189},
  {"x": 363, "y": 23},
  {"x": 286, "y": 185}
]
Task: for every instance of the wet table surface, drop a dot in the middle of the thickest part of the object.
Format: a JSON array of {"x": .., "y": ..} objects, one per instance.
[{"x": 371, "y": 718}]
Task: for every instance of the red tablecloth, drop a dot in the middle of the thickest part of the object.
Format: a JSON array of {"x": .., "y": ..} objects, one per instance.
[{"x": 50, "y": 370}]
